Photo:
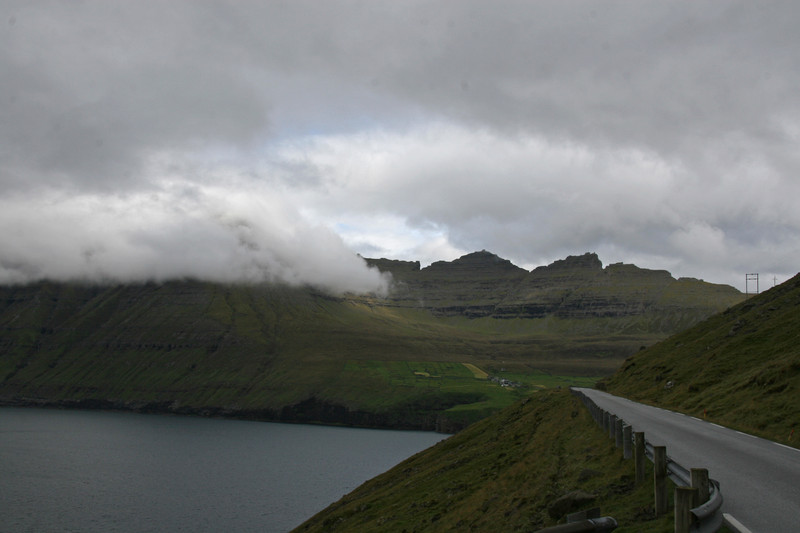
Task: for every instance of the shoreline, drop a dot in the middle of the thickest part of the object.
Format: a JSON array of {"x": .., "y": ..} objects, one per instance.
[{"x": 333, "y": 415}]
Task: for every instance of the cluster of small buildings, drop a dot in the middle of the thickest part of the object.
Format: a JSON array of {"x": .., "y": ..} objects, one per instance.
[{"x": 503, "y": 382}]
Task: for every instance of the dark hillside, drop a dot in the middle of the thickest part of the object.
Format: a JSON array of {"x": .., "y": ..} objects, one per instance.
[
  {"x": 421, "y": 357},
  {"x": 191, "y": 347},
  {"x": 471, "y": 285},
  {"x": 624, "y": 298},
  {"x": 740, "y": 368}
]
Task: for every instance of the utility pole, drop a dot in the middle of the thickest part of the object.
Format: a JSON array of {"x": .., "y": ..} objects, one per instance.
[{"x": 747, "y": 279}]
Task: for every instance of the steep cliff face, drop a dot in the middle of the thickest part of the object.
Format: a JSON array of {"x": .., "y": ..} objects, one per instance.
[
  {"x": 399, "y": 269},
  {"x": 471, "y": 285},
  {"x": 482, "y": 284},
  {"x": 557, "y": 288}
]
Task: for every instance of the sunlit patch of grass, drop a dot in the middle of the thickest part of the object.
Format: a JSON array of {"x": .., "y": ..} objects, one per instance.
[{"x": 477, "y": 372}]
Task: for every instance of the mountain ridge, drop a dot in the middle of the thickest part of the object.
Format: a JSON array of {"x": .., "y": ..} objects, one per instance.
[
  {"x": 576, "y": 286},
  {"x": 298, "y": 354}
]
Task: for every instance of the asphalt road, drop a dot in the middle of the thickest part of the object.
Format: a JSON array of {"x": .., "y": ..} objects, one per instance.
[{"x": 759, "y": 479}]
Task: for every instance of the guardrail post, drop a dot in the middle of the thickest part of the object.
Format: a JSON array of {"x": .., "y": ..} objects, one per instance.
[
  {"x": 660, "y": 479},
  {"x": 684, "y": 501},
  {"x": 618, "y": 432},
  {"x": 700, "y": 482},
  {"x": 640, "y": 456},
  {"x": 626, "y": 441},
  {"x": 697, "y": 506}
]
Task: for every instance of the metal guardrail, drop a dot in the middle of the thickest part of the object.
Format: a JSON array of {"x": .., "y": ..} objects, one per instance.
[
  {"x": 707, "y": 516},
  {"x": 682, "y": 477}
]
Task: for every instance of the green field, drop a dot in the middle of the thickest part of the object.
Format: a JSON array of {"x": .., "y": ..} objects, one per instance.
[{"x": 448, "y": 379}]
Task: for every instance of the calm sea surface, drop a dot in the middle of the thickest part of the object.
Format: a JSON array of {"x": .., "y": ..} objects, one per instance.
[{"x": 101, "y": 471}]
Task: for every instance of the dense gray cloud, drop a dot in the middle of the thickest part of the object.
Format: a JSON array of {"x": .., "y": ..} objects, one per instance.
[{"x": 274, "y": 140}]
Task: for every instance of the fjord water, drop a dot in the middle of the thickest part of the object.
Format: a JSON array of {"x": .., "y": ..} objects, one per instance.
[{"x": 107, "y": 471}]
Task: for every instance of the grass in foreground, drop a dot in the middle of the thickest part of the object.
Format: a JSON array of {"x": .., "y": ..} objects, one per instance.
[{"x": 501, "y": 473}]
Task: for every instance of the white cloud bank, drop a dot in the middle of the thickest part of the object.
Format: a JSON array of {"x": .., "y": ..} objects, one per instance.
[{"x": 183, "y": 230}]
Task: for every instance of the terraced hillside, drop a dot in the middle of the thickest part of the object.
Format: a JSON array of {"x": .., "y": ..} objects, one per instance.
[
  {"x": 482, "y": 284},
  {"x": 298, "y": 354}
]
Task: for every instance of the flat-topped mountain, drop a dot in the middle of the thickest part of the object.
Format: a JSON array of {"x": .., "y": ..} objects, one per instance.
[{"x": 481, "y": 284}]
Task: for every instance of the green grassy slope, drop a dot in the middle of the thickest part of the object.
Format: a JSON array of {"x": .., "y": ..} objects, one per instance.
[
  {"x": 297, "y": 354},
  {"x": 502, "y": 473},
  {"x": 741, "y": 367},
  {"x": 263, "y": 351}
]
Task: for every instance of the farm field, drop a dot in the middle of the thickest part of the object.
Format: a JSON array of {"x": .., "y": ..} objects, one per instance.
[{"x": 491, "y": 390}]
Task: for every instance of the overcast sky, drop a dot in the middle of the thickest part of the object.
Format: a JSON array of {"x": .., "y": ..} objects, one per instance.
[{"x": 277, "y": 140}]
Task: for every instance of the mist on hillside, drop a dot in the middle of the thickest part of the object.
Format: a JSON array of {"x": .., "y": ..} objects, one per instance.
[{"x": 179, "y": 231}]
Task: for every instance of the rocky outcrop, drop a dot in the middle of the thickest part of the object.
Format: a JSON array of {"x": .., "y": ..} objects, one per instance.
[
  {"x": 399, "y": 269},
  {"x": 579, "y": 287},
  {"x": 569, "y": 502}
]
